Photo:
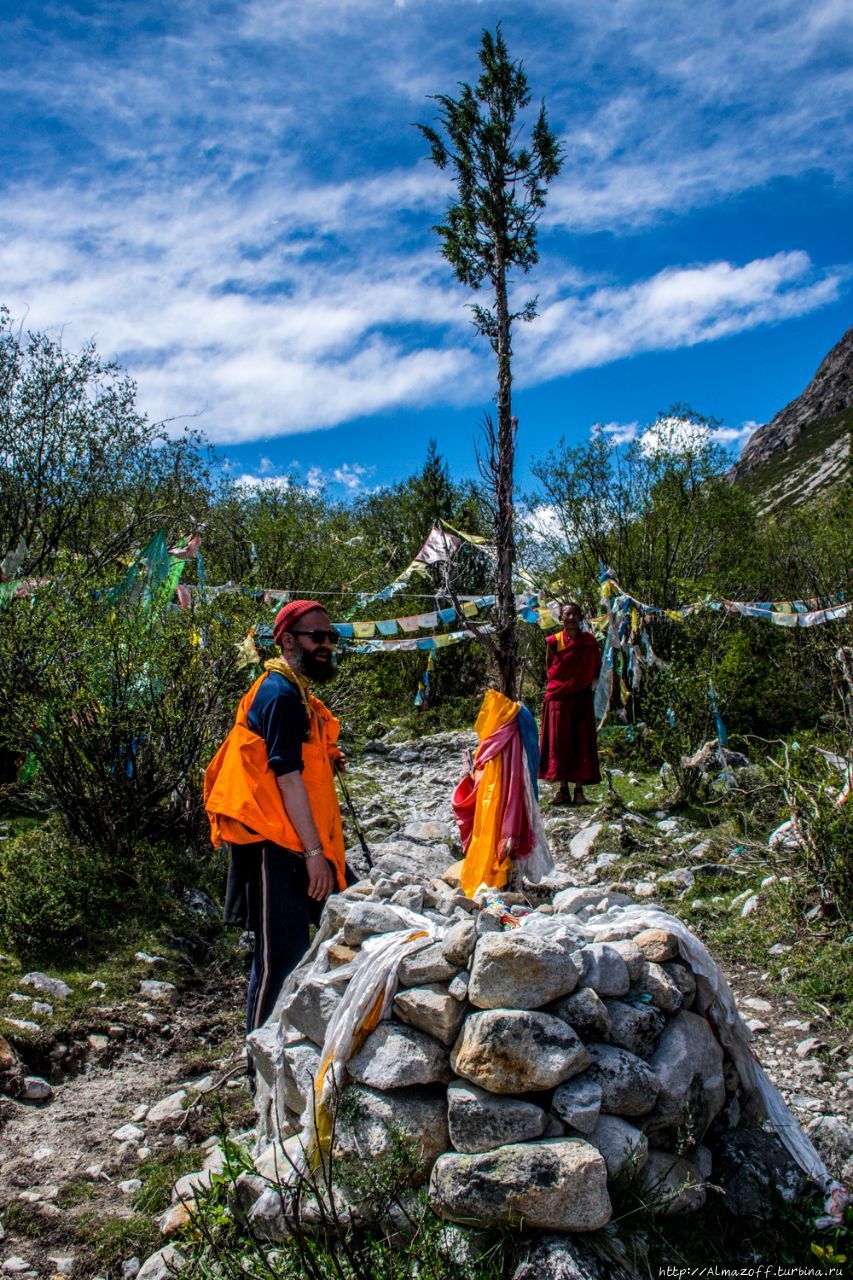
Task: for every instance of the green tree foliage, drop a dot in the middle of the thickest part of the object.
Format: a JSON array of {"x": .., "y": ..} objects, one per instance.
[
  {"x": 659, "y": 512},
  {"x": 120, "y": 709},
  {"x": 489, "y": 230},
  {"x": 663, "y": 515},
  {"x": 81, "y": 470}
]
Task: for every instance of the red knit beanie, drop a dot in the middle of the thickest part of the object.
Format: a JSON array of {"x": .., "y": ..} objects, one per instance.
[{"x": 291, "y": 613}]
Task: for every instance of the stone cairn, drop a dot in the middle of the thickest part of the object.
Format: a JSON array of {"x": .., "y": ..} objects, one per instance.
[{"x": 535, "y": 1073}]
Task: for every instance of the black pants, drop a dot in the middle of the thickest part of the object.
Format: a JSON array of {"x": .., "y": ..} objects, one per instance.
[{"x": 268, "y": 894}]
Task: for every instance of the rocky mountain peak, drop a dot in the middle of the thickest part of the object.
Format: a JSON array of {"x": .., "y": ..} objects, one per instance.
[{"x": 828, "y": 397}]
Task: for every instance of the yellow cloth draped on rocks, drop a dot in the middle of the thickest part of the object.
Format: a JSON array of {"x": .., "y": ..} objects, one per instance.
[{"x": 477, "y": 802}]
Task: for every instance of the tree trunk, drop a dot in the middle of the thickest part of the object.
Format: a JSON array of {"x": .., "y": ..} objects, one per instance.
[{"x": 506, "y": 639}]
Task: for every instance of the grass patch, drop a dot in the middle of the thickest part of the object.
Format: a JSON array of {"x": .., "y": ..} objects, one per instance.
[
  {"x": 817, "y": 971},
  {"x": 114, "y": 1239},
  {"x": 159, "y": 1174},
  {"x": 26, "y": 1220},
  {"x": 75, "y": 1192},
  {"x": 785, "y": 1235}
]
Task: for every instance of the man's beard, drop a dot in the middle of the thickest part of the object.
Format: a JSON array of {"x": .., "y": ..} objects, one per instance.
[{"x": 317, "y": 670}]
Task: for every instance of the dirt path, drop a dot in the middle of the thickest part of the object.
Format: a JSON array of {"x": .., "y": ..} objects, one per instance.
[{"x": 69, "y": 1178}]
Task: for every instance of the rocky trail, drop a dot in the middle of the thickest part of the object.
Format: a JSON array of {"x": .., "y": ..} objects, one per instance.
[{"x": 162, "y": 1074}]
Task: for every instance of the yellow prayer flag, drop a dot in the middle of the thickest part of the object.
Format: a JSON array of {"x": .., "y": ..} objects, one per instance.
[{"x": 364, "y": 630}]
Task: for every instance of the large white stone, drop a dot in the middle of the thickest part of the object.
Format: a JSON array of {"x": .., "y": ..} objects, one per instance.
[
  {"x": 625, "y": 1148},
  {"x": 428, "y": 831},
  {"x": 51, "y": 986},
  {"x": 368, "y": 1124},
  {"x": 672, "y": 1185},
  {"x": 129, "y": 1133},
  {"x": 188, "y": 1186},
  {"x": 35, "y": 1089},
  {"x": 604, "y": 970},
  {"x": 417, "y": 863},
  {"x": 688, "y": 1062},
  {"x": 395, "y": 1056},
  {"x": 517, "y": 1051},
  {"x": 578, "y": 1102},
  {"x": 520, "y": 970},
  {"x": 458, "y": 943},
  {"x": 558, "y": 1183},
  {"x": 162, "y": 1264},
  {"x": 431, "y": 1009},
  {"x": 309, "y": 1008},
  {"x": 424, "y": 966},
  {"x": 586, "y": 1012},
  {"x": 367, "y": 918},
  {"x": 299, "y": 1063},
  {"x": 574, "y": 900},
  {"x": 580, "y": 846},
  {"x": 635, "y": 1027},
  {"x": 629, "y": 1086},
  {"x": 480, "y": 1121},
  {"x": 665, "y": 994},
  {"x": 168, "y": 1111},
  {"x": 163, "y": 993}
]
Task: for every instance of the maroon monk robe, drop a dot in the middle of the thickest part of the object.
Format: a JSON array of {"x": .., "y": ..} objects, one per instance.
[{"x": 569, "y": 749}]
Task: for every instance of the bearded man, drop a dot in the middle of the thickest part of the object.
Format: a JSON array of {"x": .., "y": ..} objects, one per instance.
[{"x": 270, "y": 796}]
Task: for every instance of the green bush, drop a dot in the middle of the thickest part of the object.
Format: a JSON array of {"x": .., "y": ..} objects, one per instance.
[
  {"x": 54, "y": 892},
  {"x": 832, "y": 833},
  {"x": 58, "y": 892},
  {"x": 121, "y": 706}
]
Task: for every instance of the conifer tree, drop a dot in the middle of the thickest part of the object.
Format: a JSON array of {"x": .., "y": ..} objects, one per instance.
[{"x": 488, "y": 230}]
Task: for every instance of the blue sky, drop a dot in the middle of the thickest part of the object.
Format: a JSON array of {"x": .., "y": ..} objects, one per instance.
[{"x": 230, "y": 198}]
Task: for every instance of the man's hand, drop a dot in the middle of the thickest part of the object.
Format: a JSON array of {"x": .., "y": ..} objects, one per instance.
[
  {"x": 339, "y": 763},
  {"x": 321, "y": 880}
]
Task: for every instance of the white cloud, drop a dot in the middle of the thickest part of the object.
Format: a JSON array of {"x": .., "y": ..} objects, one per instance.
[
  {"x": 733, "y": 437},
  {"x": 257, "y": 484},
  {"x": 674, "y": 432},
  {"x": 618, "y": 432},
  {"x": 695, "y": 103},
  {"x": 543, "y": 522},
  {"x": 234, "y": 216},
  {"x": 350, "y": 476},
  {"x": 673, "y": 435},
  {"x": 257, "y": 344},
  {"x": 679, "y": 307}
]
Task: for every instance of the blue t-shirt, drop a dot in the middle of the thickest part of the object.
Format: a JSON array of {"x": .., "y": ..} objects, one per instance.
[{"x": 278, "y": 716}]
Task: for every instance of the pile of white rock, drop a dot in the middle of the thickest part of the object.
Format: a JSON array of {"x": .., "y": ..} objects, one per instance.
[{"x": 537, "y": 1072}]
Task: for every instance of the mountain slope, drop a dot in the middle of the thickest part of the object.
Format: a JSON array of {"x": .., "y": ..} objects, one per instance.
[{"x": 805, "y": 448}]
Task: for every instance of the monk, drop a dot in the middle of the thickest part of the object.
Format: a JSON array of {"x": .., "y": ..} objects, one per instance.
[
  {"x": 270, "y": 796},
  {"x": 569, "y": 749}
]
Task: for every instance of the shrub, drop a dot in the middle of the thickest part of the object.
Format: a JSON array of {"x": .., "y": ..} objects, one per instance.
[
  {"x": 54, "y": 891},
  {"x": 121, "y": 706}
]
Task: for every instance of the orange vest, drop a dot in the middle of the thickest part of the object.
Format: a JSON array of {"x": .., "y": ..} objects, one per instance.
[{"x": 241, "y": 793}]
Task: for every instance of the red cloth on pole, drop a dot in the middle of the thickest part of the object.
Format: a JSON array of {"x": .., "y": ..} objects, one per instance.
[
  {"x": 569, "y": 745},
  {"x": 516, "y": 835}
]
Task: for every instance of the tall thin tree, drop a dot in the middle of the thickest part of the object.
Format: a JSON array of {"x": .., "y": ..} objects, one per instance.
[{"x": 489, "y": 229}]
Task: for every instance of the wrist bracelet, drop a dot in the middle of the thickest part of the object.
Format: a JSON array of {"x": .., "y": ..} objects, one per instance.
[{"x": 313, "y": 853}]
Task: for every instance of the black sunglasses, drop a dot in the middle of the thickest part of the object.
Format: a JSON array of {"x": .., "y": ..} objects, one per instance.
[{"x": 319, "y": 636}]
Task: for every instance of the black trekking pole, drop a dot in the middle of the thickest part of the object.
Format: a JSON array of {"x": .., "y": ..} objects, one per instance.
[{"x": 355, "y": 822}]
